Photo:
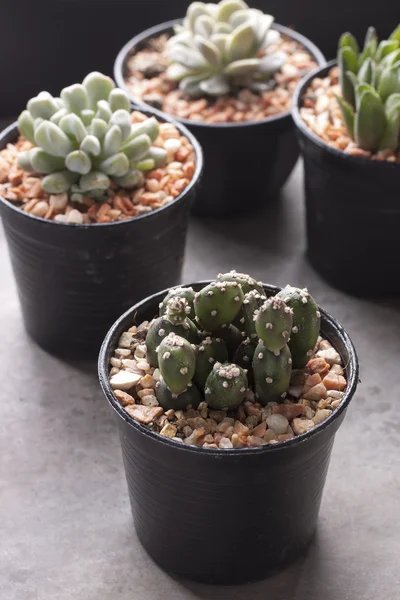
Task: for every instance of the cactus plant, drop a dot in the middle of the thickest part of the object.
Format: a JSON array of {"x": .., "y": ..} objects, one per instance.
[
  {"x": 306, "y": 323},
  {"x": 221, "y": 47},
  {"x": 177, "y": 362},
  {"x": 218, "y": 362},
  {"x": 85, "y": 140},
  {"x": 225, "y": 386},
  {"x": 370, "y": 86}
]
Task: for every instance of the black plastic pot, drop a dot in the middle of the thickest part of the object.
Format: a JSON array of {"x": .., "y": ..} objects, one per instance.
[
  {"x": 74, "y": 280},
  {"x": 353, "y": 212},
  {"x": 225, "y": 516},
  {"x": 246, "y": 164}
]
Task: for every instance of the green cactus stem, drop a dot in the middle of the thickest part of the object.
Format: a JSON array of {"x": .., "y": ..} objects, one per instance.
[
  {"x": 306, "y": 324},
  {"x": 182, "y": 292},
  {"x": 160, "y": 329},
  {"x": 208, "y": 352},
  {"x": 271, "y": 372},
  {"x": 246, "y": 282},
  {"x": 189, "y": 397},
  {"x": 244, "y": 356},
  {"x": 225, "y": 387},
  {"x": 177, "y": 310},
  {"x": 232, "y": 337},
  {"x": 177, "y": 362},
  {"x": 245, "y": 321},
  {"x": 218, "y": 304},
  {"x": 273, "y": 323}
]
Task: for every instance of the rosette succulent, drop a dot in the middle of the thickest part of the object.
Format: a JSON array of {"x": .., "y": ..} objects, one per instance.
[
  {"x": 85, "y": 139},
  {"x": 370, "y": 85},
  {"x": 220, "y": 47}
]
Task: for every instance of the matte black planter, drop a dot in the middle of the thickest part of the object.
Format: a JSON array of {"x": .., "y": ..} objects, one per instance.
[
  {"x": 353, "y": 212},
  {"x": 246, "y": 164},
  {"x": 74, "y": 280},
  {"x": 225, "y": 516}
]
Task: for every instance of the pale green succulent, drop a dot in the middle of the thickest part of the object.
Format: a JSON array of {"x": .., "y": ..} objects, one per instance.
[
  {"x": 220, "y": 47},
  {"x": 370, "y": 85},
  {"x": 85, "y": 139}
]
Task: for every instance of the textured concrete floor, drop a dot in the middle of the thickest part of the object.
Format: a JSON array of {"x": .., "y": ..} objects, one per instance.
[{"x": 65, "y": 524}]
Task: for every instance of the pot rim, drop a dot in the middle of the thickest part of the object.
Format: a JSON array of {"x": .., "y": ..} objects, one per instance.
[
  {"x": 120, "y": 325},
  {"x": 157, "y": 29},
  {"x": 313, "y": 137},
  {"x": 13, "y": 128}
]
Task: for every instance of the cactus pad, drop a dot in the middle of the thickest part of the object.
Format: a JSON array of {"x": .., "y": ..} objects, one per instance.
[
  {"x": 252, "y": 302},
  {"x": 208, "y": 352},
  {"x": 244, "y": 356},
  {"x": 246, "y": 282},
  {"x": 218, "y": 304},
  {"x": 177, "y": 362},
  {"x": 226, "y": 386},
  {"x": 160, "y": 328},
  {"x": 273, "y": 323},
  {"x": 271, "y": 373},
  {"x": 166, "y": 399},
  {"x": 177, "y": 310},
  {"x": 182, "y": 292}
]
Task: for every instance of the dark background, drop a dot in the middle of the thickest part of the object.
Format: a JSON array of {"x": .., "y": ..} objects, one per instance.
[{"x": 48, "y": 44}]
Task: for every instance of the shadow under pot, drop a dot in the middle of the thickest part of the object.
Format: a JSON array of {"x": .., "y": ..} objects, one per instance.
[
  {"x": 352, "y": 211},
  {"x": 73, "y": 280},
  {"x": 246, "y": 163},
  {"x": 225, "y": 516}
]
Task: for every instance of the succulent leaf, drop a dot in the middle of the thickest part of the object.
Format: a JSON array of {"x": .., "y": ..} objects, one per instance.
[
  {"x": 78, "y": 162},
  {"x": 52, "y": 139},
  {"x": 75, "y": 98},
  {"x": 25, "y": 126},
  {"x": 116, "y": 165},
  {"x": 58, "y": 182},
  {"x": 215, "y": 86},
  {"x": 91, "y": 145},
  {"x": 209, "y": 50},
  {"x": 390, "y": 139},
  {"x": 347, "y": 39},
  {"x": 348, "y": 115},
  {"x": 389, "y": 83},
  {"x": 43, "y": 106},
  {"x": 226, "y": 8},
  {"x": 118, "y": 100},
  {"x": 95, "y": 180},
  {"x": 98, "y": 87},
  {"x": 73, "y": 127},
  {"x": 42, "y": 162},
  {"x": 395, "y": 35}
]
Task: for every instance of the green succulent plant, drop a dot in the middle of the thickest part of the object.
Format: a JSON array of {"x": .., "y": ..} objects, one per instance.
[
  {"x": 370, "y": 85},
  {"x": 222, "y": 363},
  {"x": 219, "y": 47},
  {"x": 85, "y": 139}
]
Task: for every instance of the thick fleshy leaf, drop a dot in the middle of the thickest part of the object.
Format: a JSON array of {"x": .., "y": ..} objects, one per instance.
[
  {"x": 271, "y": 63},
  {"x": 87, "y": 116},
  {"x": 122, "y": 119},
  {"x": 221, "y": 41},
  {"x": 116, "y": 165},
  {"x": 98, "y": 128},
  {"x": 118, "y": 100},
  {"x": 222, "y": 28},
  {"x": 215, "y": 86},
  {"x": 147, "y": 164},
  {"x": 347, "y": 61},
  {"x": 56, "y": 118},
  {"x": 42, "y": 106},
  {"x": 389, "y": 83},
  {"x": 360, "y": 89},
  {"x": 24, "y": 161},
  {"x": 391, "y": 59},
  {"x": 72, "y": 125},
  {"x": 75, "y": 98},
  {"x": 137, "y": 147},
  {"x": 227, "y": 7},
  {"x": 98, "y": 87},
  {"x": 159, "y": 155},
  {"x": 263, "y": 26},
  {"x": 58, "y": 183},
  {"x": 78, "y": 162},
  {"x": 191, "y": 59},
  {"x": 103, "y": 111},
  {"x": 26, "y": 126},
  {"x": 370, "y": 122},
  {"x": 243, "y": 67},
  {"x": 392, "y": 103},
  {"x": 112, "y": 141},
  {"x": 348, "y": 115},
  {"x": 150, "y": 127},
  {"x": 204, "y": 26},
  {"x": 365, "y": 72},
  {"x": 390, "y": 140},
  {"x": 42, "y": 162},
  {"x": 91, "y": 145},
  {"x": 347, "y": 39},
  {"x": 273, "y": 36},
  {"x": 185, "y": 38},
  {"x": 191, "y": 85},
  {"x": 95, "y": 180},
  {"x": 195, "y": 10},
  {"x": 242, "y": 43},
  {"x": 131, "y": 180},
  {"x": 240, "y": 17},
  {"x": 209, "y": 50},
  {"x": 386, "y": 47},
  {"x": 52, "y": 139},
  {"x": 177, "y": 72},
  {"x": 395, "y": 35},
  {"x": 371, "y": 40}
]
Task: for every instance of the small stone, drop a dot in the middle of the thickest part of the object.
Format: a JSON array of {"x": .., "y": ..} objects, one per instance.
[
  {"x": 196, "y": 438},
  {"x": 225, "y": 423},
  {"x": 270, "y": 436},
  {"x": 187, "y": 431},
  {"x": 330, "y": 355},
  {"x": 237, "y": 442},
  {"x": 316, "y": 393},
  {"x": 170, "y": 413},
  {"x": 285, "y": 436},
  {"x": 58, "y": 201},
  {"x": 278, "y": 423},
  {"x": 302, "y": 425},
  {"x": 225, "y": 443},
  {"x": 40, "y": 209},
  {"x": 168, "y": 430},
  {"x": 321, "y": 415},
  {"x": 122, "y": 352},
  {"x": 75, "y": 217},
  {"x": 217, "y": 415},
  {"x": 124, "y": 380},
  {"x": 143, "y": 365},
  {"x": 338, "y": 369},
  {"x": 333, "y": 381},
  {"x": 124, "y": 398},
  {"x": 144, "y": 414},
  {"x": 208, "y": 439},
  {"x": 290, "y": 411},
  {"x": 254, "y": 441},
  {"x": 148, "y": 382},
  {"x": 334, "y": 394},
  {"x": 251, "y": 421},
  {"x": 318, "y": 365},
  {"x": 116, "y": 362},
  {"x": 335, "y": 403},
  {"x": 240, "y": 429},
  {"x": 311, "y": 381},
  {"x": 126, "y": 340},
  {"x": 260, "y": 430},
  {"x": 149, "y": 400}
]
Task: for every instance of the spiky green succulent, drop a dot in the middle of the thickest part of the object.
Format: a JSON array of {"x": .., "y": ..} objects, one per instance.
[
  {"x": 370, "y": 86},
  {"x": 219, "y": 363},
  {"x": 221, "y": 47},
  {"x": 85, "y": 139}
]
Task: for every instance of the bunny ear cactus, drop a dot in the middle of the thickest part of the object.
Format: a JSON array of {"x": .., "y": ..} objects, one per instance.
[
  {"x": 226, "y": 386},
  {"x": 177, "y": 362},
  {"x": 221, "y": 47},
  {"x": 85, "y": 140},
  {"x": 370, "y": 85}
]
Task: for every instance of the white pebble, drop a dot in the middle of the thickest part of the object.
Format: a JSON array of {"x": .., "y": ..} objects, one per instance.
[
  {"x": 321, "y": 415},
  {"x": 143, "y": 365},
  {"x": 74, "y": 216},
  {"x": 40, "y": 209},
  {"x": 331, "y": 356},
  {"x": 61, "y": 218},
  {"x": 124, "y": 380},
  {"x": 58, "y": 201},
  {"x": 225, "y": 443},
  {"x": 172, "y": 144},
  {"x": 278, "y": 423}
]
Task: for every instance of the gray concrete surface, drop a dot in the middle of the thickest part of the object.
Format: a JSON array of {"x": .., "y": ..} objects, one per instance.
[{"x": 65, "y": 524}]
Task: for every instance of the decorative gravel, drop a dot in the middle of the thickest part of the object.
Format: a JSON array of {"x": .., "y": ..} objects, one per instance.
[
  {"x": 146, "y": 80},
  {"x": 315, "y": 392},
  {"x": 322, "y": 115},
  {"x": 158, "y": 187}
]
